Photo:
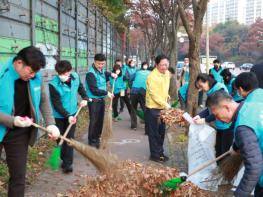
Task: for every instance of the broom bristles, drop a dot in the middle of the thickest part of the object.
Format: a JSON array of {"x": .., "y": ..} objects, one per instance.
[
  {"x": 104, "y": 162},
  {"x": 229, "y": 167},
  {"x": 106, "y": 130},
  {"x": 54, "y": 159}
]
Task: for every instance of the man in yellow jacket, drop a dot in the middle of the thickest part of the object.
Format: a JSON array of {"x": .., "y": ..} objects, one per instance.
[{"x": 157, "y": 89}]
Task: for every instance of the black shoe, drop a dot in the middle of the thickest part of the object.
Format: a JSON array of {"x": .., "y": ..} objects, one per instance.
[
  {"x": 134, "y": 128},
  {"x": 121, "y": 110},
  {"x": 67, "y": 170},
  {"x": 166, "y": 158},
  {"x": 95, "y": 145},
  {"x": 160, "y": 159}
]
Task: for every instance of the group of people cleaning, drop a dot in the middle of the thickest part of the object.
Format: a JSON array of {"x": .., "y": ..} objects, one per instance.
[
  {"x": 233, "y": 105},
  {"x": 235, "y": 108},
  {"x": 24, "y": 101}
]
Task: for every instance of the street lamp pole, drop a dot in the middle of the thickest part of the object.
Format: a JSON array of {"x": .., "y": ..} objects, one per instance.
[{"x": 207, "y": 43}]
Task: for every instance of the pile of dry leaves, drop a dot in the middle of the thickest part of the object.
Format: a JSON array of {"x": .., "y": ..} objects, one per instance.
[
  {"x": 173, "y": 116},
  {"x": 135, "y": 179}
]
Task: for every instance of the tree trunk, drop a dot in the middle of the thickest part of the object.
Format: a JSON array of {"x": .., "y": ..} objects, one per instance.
[
  {"x": 173, "y": 81},
  {"x": 192, "y": 101}
]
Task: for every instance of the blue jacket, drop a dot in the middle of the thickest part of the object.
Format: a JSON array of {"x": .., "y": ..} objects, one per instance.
[
  {"x": 130, "y": 71},
  {"x": 140, "y": 79},
  {"x": 219, "y": 124},
  {"x": 68, "y": 94},
  {"x": 217, "y": 75},
  {"x": 119, "y": 84},
  {"x": 183, "y": 91},
  {"x": 8, "y": 75},
  {"x": 101, "y": 81},
  {"x": 232, "y": 91},
  {"x": 250, "y": 115}
]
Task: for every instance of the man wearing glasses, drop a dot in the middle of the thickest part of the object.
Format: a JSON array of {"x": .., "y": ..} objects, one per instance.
[
  {"x": 22, "y": 98},
  {"x": 157, "y": 88}
]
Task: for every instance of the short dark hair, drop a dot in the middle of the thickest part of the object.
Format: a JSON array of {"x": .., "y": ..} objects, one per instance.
[
  {"x": 129, "y": 63},
  {"x": 144, "y": 64},
  {"x": 247, "y": 81},
  {"x": 159, "y": 58},
  {"x": 226, "y": 73},
  {"x": 116, "y": 67},
  {"x": 117, "y": 60},
  {"x": 99, "y": 57},
  {"x": 126, "y": 59},
  {"x": 32, "y": 57},
  {"x": 205, "y": 78},
  {"x": 171, "y": 70},
  {"x": 217, "y": 97},
  {"x": 63, "y": 66},
  {"x": 216, "y": 61}
]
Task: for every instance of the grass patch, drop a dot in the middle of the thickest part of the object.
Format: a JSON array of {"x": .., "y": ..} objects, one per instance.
[{"x": 182, "y": 138}]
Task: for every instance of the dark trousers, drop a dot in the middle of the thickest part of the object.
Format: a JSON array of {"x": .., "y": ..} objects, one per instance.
[
  {"x": 135, "y": 100},
  {"x": 127, "y": 102},
  {"x": 224, "y": 140},
  {"x": 182, "y": 102},
  {"x": 121, "y": 104},
  {"x": 115, "y": 102},
  {"x": 96, "y": 116},
  {"x": 15, "y": 144},
  {"x": 258, "y": 191},
  {"x": 66, "y": 150},
  {"x": 155, "y": 129},
  {"x": 200, "y": 98}
]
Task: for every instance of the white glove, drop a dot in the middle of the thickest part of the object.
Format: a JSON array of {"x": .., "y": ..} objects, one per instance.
[
  {"x": 72, "y": 120},
  {"x": 22, "y": 121},
  {"x": 198, "y": 120},
  {"x": 53, "y": 132},
  {"x": 113, "y": 75},
  {"x": 167, "y": 106},
  {"x": 83, "y": 103},
  {"x": 110, "y": 95}
]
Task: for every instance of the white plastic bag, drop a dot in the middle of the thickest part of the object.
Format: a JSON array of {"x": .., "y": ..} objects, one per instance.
[{"x": 201, "y": 148}]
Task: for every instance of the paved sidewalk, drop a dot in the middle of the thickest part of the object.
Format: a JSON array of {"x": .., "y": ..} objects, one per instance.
[{"x": 126, "y": 143}]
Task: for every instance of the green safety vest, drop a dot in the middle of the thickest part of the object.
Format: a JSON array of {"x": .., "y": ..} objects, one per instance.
[
  {"x": 8, "y": 75},
  {"x": 68, "y": 94},
  {"x": 251, "y": 115}
]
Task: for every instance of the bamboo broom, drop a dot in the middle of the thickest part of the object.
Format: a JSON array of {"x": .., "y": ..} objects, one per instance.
[
  {"x": 104, "y": 162},
  {"x": 107, "y": 126},
  {"x": 54, "y": 159},
  {"x": 229, "y": 167}
]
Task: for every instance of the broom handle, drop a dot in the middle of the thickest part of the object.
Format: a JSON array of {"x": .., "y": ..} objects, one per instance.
[
  {"x": 209, "y": 163},
  {"x": 69, "y": 127},
  {"x": 44, "y": 129}
]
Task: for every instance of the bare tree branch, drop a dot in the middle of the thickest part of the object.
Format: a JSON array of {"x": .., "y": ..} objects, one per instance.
[{"x": 185, "y": 20}]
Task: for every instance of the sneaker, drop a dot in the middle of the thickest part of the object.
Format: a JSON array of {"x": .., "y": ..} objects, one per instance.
[{"x": 134, "y": 128}]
